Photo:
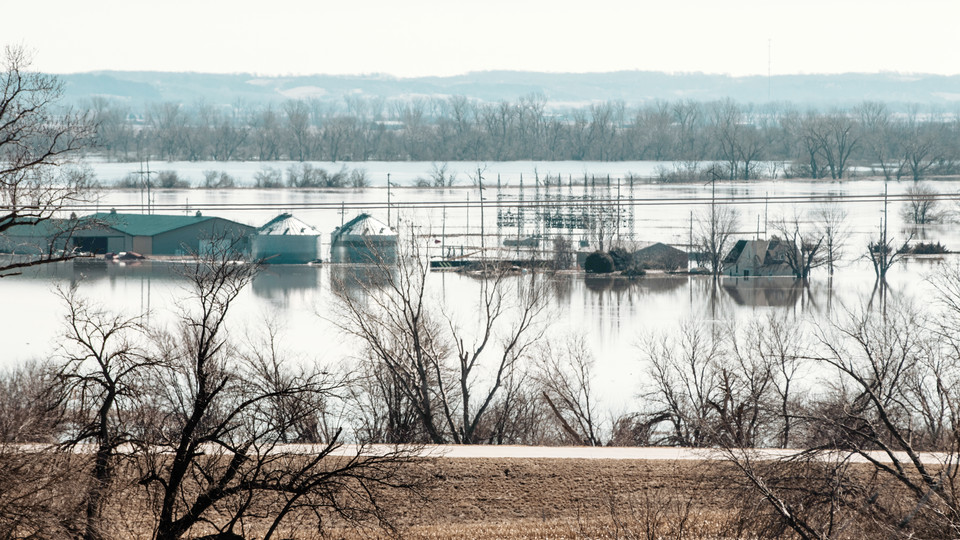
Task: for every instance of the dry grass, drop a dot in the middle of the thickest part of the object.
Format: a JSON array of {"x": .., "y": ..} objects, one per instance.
[
  {"x": 563, "y": 498},
  {"x": 517, "y": 498}
]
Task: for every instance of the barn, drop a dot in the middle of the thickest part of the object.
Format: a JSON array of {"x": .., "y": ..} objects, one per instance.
[{"x": 157, "y": 234}]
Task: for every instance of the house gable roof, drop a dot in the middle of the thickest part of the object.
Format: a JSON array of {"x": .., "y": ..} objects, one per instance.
[{"x": 734, "y": 254}]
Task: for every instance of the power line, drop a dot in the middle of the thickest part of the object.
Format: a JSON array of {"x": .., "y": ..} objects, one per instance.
[{"x": 507, "y": 203}]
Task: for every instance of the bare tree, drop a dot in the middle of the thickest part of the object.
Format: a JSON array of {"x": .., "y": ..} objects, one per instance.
[
  {"x": 890, "y": 394},
  {"x": 35, "y": 143},
  {"x": 565, "y": 375},
  {"x": 103, "y": 373},
  {"x": 884, "y": 254},
  {"x": 922, "y": 205},
  {"x": 804, "y": 247},
  {"x": 830, "y": 222},
  {"x": 435, "y": 360},
  {"x": 714, "y": 229},
  {"x": 838, "y": 137},
  {"x": 923, "y": 144},
  {"x": 441, "y": 176},
  {"x": 881, "y": 138},
  {"x": 216, "y": 452},
  {"x": 772, "y": 350},
  {"x": 682, "y": 370}
]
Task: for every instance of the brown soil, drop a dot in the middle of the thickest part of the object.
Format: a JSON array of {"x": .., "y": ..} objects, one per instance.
[{"x": 557, "y": 498}]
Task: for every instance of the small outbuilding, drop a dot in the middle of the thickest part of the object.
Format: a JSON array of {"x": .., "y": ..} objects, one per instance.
[
  {"x": 363, "y": 239},
  {"x": 286, "y": 240}
]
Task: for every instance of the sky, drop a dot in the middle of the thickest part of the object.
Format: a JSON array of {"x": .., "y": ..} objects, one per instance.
[{"x": 450, "y": 37}]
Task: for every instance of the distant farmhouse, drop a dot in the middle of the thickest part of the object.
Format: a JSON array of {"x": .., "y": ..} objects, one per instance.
[{"x": 750, "y": 258}]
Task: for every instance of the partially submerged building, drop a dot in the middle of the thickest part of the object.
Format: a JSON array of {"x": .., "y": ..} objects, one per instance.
[
  {"x": 157, "y": 234},
  {"x": 44, "y": 237},
  {"x": 363, "y": 239},
  {"x": 286, "y": 240},
  {"x": 755, "y": 258}
]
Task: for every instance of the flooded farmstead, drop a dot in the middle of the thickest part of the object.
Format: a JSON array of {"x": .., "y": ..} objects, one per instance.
[{"x": 275, "y": 278}]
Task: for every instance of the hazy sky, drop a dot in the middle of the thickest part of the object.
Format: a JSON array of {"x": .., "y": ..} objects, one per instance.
[{"x": 446, "y": 37}]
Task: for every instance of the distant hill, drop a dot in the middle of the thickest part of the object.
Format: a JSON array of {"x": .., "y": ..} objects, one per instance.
[{"x": 633, "y": 87}]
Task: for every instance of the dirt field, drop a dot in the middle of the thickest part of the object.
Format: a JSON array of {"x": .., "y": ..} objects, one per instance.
[{"x": 562, "y": 498}]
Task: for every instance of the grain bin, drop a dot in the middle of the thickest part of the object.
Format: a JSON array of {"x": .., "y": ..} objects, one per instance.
[
  {"x": 364, "y": 239},
  {"x": 286, "y": 240}
]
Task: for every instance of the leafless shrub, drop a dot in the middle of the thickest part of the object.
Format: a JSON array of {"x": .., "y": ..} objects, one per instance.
[
  {"x": 217, "y": 180},
  {"x": 31, "y": 403},
  {"x": 564, "y": 375},
  {"x": 41, "y": 493}
]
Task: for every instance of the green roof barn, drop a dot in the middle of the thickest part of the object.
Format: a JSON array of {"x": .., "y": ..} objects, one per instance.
[{"x": 154, "y": 234}]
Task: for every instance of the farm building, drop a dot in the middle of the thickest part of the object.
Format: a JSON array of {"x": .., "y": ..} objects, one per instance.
[
  {"x": 47, "y": 236},
  {"x": 755, "y": 258},
  {"x": 154, "y": 234},
  {"x": 363, "y": 239},
  {"x": 286, "y": 240}
]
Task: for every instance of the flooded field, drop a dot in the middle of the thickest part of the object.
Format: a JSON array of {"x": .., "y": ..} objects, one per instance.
[{"x": 612, "y": 313}]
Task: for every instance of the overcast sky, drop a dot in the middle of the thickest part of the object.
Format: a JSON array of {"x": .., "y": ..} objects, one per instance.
[{"x": 447, "y": 37}]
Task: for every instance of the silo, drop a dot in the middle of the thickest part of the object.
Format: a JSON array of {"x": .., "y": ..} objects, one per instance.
[
  {"x": 363, "y": 239},
  {"x": 286, "y": 240}
]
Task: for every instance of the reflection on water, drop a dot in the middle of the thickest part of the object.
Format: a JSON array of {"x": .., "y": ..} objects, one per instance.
[
  {"x": 278, "y": 283},
  {"x": 359, "y": 277},
  {"x": 98, "y": 270},
  {"x": 763, "y": 292},
  {"x": 611, "y": 311}
]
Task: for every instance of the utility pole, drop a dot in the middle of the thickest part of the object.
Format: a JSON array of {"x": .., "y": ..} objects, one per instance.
[
  {"x": 388, "y": 200},
  {"x": 147, "y": 182},
  {"x": 480, "y": 182},
  {"x": 520, "y": 216},
  {"x": 714, "y": 256},
  {"x": 618, "y": 206}
]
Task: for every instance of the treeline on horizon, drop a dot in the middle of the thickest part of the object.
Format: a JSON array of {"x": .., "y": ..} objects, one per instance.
[{"x": 746, "y": 141}]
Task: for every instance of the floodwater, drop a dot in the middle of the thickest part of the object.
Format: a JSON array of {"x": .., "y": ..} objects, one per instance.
[{"x": 613, "y": 314}]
